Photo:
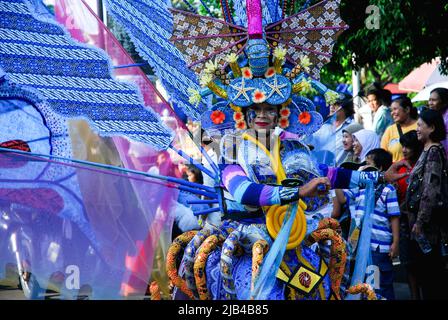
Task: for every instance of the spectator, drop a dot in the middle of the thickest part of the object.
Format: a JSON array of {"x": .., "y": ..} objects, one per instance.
[
  {"x": 381, "y": 117},
  {"x": 386, "y": 96},
  {"x": 426, "y": 219},
  {"x": 412, "y": 148},
  {"x": 185, "y": 220},
  {"x": 438, "y": 100},
  {"x": 347, "y": 143},
  {"x": 194, "y": 174},
  {"x": 344, "y": 111},
  {"x": 384, "y": 242},
  {"x": 165, "y": 166},
  {"x": 405, "y": 118},
  {"x": 379, "y": 158},
  {"x": 364, "y": 141}
]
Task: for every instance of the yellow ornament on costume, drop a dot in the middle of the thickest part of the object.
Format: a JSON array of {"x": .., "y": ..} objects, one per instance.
[{"x": 275, "y": 214}]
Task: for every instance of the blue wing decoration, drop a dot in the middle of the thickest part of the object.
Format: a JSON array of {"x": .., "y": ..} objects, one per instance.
[
  {"x": 70, "y": 79},
  {"x": 150, "y": 24}
]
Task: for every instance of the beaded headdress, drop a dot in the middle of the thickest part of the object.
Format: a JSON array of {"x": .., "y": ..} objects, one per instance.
[{"x": 277, "y": 63}]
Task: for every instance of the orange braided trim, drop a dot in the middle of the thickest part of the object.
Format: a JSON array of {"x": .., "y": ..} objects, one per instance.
[
  {"x": 259, "y": 249},
  {"x": 154, "y": 289},
  {"x": 330, "y": 223},
  {"x": 363, "y": 288},
  {"x": 171, "y": 268},
  {"x": 338, "y": 256},
  {"x": 199, "y": 266}
]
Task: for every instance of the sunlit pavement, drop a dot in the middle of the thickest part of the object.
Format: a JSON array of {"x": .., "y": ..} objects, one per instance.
[
  {"x": 10, "y": 291},
  {"x": 9, "y": 287}
]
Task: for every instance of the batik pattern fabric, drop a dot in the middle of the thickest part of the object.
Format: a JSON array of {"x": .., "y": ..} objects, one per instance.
[
  {"x": 311, "y": 32},
  {"x": 271, "y": 12},
  {"x": 27, "y": 116},
  {"x": 149, "y": 25},
  {"x": 308, "y": 258},
  {"x": 202, "y": 38},
  {"x": 73, "y": 79}
]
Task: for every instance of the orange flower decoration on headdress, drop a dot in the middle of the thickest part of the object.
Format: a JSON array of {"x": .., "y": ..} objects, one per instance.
[
  {"x": 304, "y": 118},
  {"x": 258, "y": 96},
  {"x": 238, "y": 116},
  {"x": 284, "y": 112},
  {"x": 241, "y": 125},
  {"x": 270, "y": 72},
  {"x": 217, "y": 117},
  {"x": 247, "y": 73},
  {"x": 283, "y": 123}
]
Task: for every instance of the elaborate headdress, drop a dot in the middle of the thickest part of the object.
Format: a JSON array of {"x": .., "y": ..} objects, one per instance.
[{"x": 277, "y": 63}]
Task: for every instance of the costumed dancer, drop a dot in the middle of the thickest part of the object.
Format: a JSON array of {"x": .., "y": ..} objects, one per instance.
[{"x": 276, "y": 204}]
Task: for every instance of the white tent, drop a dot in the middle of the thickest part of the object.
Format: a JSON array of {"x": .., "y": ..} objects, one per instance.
[{"x": 424, "y": 94}]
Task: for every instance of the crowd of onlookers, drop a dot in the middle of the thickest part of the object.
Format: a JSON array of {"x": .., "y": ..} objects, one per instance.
[{"x": 410, "y": 218}]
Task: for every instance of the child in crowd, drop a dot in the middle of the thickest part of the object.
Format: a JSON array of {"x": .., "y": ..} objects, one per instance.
[{"x": 385, "y": 221}]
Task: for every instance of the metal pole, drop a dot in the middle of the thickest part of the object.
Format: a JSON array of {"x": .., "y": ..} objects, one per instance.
[{"x": 99, "y": 4}]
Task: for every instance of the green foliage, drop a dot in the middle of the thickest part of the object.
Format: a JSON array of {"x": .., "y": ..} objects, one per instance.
[
  {"x": 410, "y": 33},
  {"x": 213, "y": 5}
]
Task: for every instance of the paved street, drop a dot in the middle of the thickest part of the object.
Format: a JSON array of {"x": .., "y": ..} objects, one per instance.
[{"x": 9, "y": 290}]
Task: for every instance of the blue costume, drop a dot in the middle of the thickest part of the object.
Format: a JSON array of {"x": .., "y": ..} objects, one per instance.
[{"x": 248, "y": 253}]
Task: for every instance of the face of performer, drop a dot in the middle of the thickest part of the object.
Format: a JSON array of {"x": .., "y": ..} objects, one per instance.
[
  {"x": 262, "y": 117},
  {"x": 357, "y": 147},
  {"x": 347, "y": 141},
  {"x": 423, "y": 131},
  {"x": 374, "y": 102}
]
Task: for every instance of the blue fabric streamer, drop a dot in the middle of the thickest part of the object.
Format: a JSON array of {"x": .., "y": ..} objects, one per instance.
[
  {"x": 363, "y": 255},
  {"x": 226, "y": 11},
  {"x": 266, "y": 280}
]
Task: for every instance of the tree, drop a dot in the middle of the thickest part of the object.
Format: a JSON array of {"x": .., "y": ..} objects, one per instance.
[{"x": 410, "y": 33}]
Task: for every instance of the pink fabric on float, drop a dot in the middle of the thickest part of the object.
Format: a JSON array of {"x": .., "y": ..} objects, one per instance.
[
  {"x": 86, "y": 27},
  {"x": 254, "y": 19}
]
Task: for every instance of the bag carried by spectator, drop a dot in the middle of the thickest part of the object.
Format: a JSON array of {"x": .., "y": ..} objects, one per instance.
[{"x": 415, "y": 188}]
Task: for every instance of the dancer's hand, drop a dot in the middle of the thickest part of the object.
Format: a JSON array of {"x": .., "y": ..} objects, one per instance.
[
  {"x": 313, "y": 188},
  {"x": 392, "y": 175}
]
